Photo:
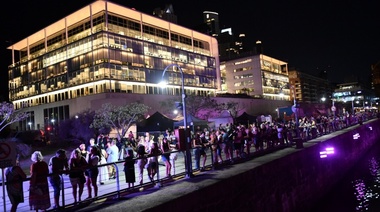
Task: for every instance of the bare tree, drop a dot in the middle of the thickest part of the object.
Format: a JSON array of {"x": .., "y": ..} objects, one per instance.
[
  {"x": 168, "y": 105},
  {"x": 196, "y": 104},
  {"x": 119, "y": 118},
  {"x": 232, "y": 107},
  {"x": 8, "y": 115}
]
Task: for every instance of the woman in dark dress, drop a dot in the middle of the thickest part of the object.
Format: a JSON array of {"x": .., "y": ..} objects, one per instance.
[
  {"x": 129, "y": 168},
  {"x": 92, "y": 171},
  {"x": 15, "y": 177},
  {"x": 78, "y": 165},
  {"x": 39, "y": 195}
]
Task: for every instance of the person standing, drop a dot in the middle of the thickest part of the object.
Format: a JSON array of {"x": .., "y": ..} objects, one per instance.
[
  {"x": 39, "y": 196},
  {"x": 152, "y": 164},
  {"x": 129, "y": 168},
  {"x": 240, "y": 133},
  {"x": 58, "y": 165},
  {"x": 197, "y": 145},
  {"x": 227, "y": 138},
  {"x": 92, "y": 171},
  {"x": 220, "y": 147},
  {"x": 77, "y": 166},
  {"x": 214, "y": 147},
  {"x": 92, "y": 143},
  {"x": 205, "y": 145},
  {"x": 130, "y": 136},
  {"x": 141, "y": 162},
  {"x": 165, "y": 157},
  {"x": 83, "y": 150},
  {"x": 120, "y": 143},
  {"x": 15, "y": 177},
  {"x": 103, "y": 170},
  {"x": 113, "y": 156},
  {"x": 173, "y": 144}
]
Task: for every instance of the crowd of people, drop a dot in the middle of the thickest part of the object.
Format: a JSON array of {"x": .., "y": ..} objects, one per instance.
[{"x": 227, "y": 143}]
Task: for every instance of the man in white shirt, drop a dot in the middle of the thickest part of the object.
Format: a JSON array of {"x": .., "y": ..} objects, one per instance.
[{"x": 113, "y": 156}]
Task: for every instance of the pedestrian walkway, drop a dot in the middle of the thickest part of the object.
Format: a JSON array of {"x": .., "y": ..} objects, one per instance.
[
  {"x": 181, "y": 194},
  {"x": 115, "y": 191}
]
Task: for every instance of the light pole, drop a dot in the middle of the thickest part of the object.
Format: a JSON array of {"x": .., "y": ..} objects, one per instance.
[
  {"x": 188, "y": 162},
  {"x": 333, "y": 108},
  {"x": 295, "y": 110}
]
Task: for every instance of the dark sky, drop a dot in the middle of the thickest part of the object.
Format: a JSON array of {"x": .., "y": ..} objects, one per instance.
[{"x": 343, "y": 39}]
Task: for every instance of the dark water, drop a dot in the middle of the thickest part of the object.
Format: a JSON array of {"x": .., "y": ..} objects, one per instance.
[{"x": 359, "y": 190}]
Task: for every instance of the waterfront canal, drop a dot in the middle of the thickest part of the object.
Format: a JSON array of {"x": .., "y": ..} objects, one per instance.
[{"x": 359, "y": 190}]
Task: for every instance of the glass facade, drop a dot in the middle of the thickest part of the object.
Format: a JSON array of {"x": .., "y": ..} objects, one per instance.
[{"x": 108, "y": 52}]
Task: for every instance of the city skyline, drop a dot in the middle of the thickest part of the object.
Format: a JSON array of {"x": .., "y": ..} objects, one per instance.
[{"x": 311, "y": 37}]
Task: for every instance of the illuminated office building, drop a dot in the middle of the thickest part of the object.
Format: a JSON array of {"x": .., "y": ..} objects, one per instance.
[
  {"x": 107, "y": 51},
  {"x": 259, "y": 76},
  {"x": 355, "y": 97}
]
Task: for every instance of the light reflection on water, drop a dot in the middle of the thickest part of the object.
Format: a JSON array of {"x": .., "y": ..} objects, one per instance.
[
  {"x": 359, "y": 190},
  {"x": 367, "y": 190}
]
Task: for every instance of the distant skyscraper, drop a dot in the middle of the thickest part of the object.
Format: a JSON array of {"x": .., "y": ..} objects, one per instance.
[
  {"x": 212, "y": 21},
  {"x": 259, "y": 47},
  {"x": 167, "y": 13},
  {"x": 239, "y": 43}
]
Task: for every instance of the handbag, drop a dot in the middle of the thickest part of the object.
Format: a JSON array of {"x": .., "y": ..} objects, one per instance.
[{"x": 82, "y": 179}]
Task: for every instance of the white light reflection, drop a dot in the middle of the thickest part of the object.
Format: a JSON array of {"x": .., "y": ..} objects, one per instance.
[{"x": 366, "y": 190}]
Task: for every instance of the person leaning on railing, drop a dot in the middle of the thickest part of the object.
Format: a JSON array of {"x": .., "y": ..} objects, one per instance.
[
  {"x": 58, "y": 165},
  {"x": 15, "y": 177}
]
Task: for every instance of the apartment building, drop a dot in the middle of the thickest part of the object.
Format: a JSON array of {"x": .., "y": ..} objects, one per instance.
[
  {"x": 106, "y": 52},
  {"x": 307, "y": 88}
]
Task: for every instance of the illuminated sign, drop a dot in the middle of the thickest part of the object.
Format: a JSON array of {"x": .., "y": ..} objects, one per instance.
[
  {"x": 243, "y": 62},
  {"x": 356, "y": 136},
  {"x": 326, "y": 152},
  {"x": 338, "y": 94}
]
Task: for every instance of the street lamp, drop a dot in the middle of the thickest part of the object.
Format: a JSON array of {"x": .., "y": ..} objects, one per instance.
[
  {"x": 295, "y": 110},
  {"x": 333, "y": 108},
  {"x": 188, "y": 162},
  {"x": 30, "y": 125}
]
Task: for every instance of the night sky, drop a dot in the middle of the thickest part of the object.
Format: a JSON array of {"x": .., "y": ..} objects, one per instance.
[{"x": 312, "y": 36}]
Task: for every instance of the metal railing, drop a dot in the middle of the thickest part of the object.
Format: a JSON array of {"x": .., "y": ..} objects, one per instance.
[{"x": 117, "y": 187}]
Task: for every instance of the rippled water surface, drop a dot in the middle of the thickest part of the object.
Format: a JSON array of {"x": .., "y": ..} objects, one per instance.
[{"x": 359, "y": 190}]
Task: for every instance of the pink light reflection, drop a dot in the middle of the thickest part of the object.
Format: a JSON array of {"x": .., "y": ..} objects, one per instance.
[{"x": 326, "y": 152}]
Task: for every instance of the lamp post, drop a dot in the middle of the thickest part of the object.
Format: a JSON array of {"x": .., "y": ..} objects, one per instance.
[
  {"x": 295, "y": 110},
  {"x": 333, "y": 108},
  {"x": 188, "y": 163}
]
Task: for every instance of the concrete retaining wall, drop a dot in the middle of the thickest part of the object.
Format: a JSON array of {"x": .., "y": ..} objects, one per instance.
[
  {"x": 295, "y": 181},
  {"x": 287, "y": 180}
]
